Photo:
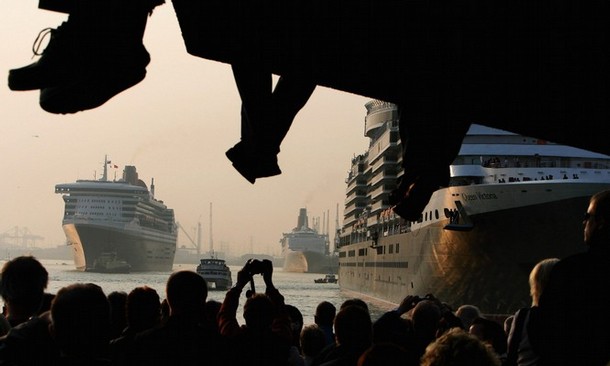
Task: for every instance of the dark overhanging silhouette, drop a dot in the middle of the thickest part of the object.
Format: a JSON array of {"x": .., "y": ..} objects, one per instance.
[{"x": 537, "y": 68}]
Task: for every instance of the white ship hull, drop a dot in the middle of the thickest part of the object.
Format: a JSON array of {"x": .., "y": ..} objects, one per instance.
[
  {"x": 511, "y": 201},
  {"x": 485, "y": 258}
]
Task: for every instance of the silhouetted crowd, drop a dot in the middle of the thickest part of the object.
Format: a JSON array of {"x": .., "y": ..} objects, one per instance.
[{"x": 81, "y": 325}]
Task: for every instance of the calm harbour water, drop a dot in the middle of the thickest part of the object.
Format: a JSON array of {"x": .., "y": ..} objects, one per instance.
[{"x": 298, "y": 289}]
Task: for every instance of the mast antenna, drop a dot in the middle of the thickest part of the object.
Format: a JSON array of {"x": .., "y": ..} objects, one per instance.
[
  {"x": 211, "y": 237},
  {"x": 105, "y": 176}
]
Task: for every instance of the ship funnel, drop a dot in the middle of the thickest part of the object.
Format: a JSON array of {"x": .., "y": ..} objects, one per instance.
[
  {"x": 130, "y": 175},
  {"x": 303, "y": 221}
]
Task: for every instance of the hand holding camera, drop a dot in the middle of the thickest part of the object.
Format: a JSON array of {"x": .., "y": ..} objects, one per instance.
[
  {"x": 251, "y": 268},
  {"x": 255, "y": 266}
]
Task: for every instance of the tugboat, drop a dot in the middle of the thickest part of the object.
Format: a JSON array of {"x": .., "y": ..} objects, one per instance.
[
  {"x": 329, "y": 278},
  {"x": 108, "y": 262},
  {"x": 216, "y": 273}
]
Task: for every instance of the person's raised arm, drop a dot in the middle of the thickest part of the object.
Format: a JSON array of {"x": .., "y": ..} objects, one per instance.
[{"x": 227, "y": 316}]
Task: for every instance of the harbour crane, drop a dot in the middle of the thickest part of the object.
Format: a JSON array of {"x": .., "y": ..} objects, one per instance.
[{"x": 196, "y": 244}]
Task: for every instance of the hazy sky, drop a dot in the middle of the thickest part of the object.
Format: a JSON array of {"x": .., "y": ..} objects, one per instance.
[{"x": 175, "y": 127}]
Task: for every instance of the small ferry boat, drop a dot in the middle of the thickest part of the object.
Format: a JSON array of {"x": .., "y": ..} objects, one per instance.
[
  {"x": 216, "y": 273},
  {"x": 329, "y": 278}
]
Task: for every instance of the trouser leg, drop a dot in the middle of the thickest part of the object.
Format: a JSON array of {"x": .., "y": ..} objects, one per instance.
[
  {"x": 289, "y": 96},
  {"x": 430, "y": 143},
  {"x": 254, "y": 87}
]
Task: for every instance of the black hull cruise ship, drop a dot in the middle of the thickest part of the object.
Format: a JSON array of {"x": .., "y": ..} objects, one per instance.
[{"x": 121, "y": 218}]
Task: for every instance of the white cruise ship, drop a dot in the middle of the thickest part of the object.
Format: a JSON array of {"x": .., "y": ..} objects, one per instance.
[
  {"x": 121, "y": 217},
  {"x": 304, "y": 249},
  {"x": 512, "y": 201}
]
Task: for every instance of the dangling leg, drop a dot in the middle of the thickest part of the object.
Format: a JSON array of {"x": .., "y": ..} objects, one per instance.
[
  {"x": 266, "y": 119},
  {"x": 430, "y": 144},
  {"x": 290, "y": 95},
  {"x": 254, "y": 87}
]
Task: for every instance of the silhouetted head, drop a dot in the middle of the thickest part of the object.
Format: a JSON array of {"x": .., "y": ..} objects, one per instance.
[
  {"x": 456, "y": 347},
  {"x": 539, "y": 276},
  {"x": 312, "y": 340},
  {"x": 392, "y": 328},
  {"x": 22, "y": 284},
  {"x": 80, "y": 316},
  {"x": 597, "y": 220},
  {"x": 353, "y": 327},
  {"x": 325, "y": 314},
  {"x": 354, "y": 301},
  {"x": 296, "y": 322},
  {"x": 143, "y": 308},
  {"x": 186, "y": 293},
  {"x": 118, "y": 314},
  {"x": 259, "y": 312},
  {"x": 426, "y": 318},
  {"x": 467, "y": 313},
  {"x": 212, "y": 308}
]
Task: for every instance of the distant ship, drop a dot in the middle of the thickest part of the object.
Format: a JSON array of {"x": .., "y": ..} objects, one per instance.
[
  {"x": 120, "y": 217},
  {"x": 329, "y": 278},
  {"x": 512, "y": 201},
  {"x": 306, "y": 250},
  {"x": 216, "y": 273}
]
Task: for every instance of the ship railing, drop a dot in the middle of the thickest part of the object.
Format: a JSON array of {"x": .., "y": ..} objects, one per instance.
[{"x": 527, "y": 174}]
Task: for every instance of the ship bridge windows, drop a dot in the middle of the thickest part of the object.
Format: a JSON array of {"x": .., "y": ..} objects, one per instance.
[
  {"x": 362, "y": 252},
  {"x": 351, "y": 253},
  {"x": 391, "y": 249},
  {"x": 428, "y": 216}
]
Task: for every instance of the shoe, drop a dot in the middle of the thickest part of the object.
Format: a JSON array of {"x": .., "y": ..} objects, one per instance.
[
  {"x": 88, "y": 93},
  {"x": 89, "y": 89},
  {"x": 413, "y": 193},
  {"x": 56, "y": 63},
  {"x": 240, "y": 164},
  {"x": 90, "y": 58},
  {"x": 252, "y": 164}
]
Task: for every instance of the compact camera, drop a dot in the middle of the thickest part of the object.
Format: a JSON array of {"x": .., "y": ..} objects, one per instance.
[{"x": 255, "y": 266}]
